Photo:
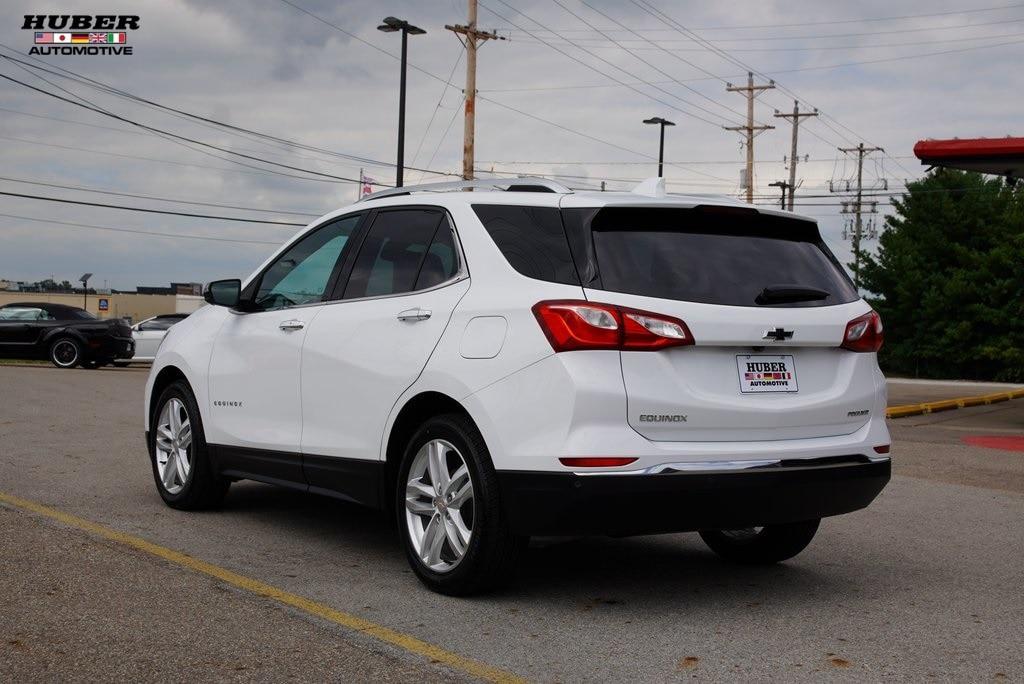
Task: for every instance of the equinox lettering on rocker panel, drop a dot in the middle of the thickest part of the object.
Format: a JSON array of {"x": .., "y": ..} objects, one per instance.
[{"x": 662, "y": 418}]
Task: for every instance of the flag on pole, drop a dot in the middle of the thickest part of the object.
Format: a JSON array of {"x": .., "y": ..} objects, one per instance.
[{"x": 365, "y": 184}]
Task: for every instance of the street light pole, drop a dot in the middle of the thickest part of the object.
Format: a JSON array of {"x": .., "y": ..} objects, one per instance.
[
  {"x": 661, "y": 145},
  {"x": 390, "y": 25},
  {"x": 85, "y": 289}
]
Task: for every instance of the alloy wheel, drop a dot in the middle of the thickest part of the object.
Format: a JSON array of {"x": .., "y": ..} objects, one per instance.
[
  {"x": 65, "y": 353},
  {"x": 173, "y": 446},
  {"x": 439, "y": 505}
]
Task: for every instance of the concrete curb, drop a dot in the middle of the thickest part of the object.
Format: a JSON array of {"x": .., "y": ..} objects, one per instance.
[{"x": 950, "y": 404}]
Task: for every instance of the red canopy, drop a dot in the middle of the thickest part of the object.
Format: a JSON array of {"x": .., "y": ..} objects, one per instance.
[{"x": 1000, "y": 156}]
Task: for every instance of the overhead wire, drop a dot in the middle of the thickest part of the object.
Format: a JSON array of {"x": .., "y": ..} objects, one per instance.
[
  {"x": 183, "y": 236},
  {"x": 147, "y": 210},
  {"x": 716, "y": 123},
  {"x": 80, "y": 188}
]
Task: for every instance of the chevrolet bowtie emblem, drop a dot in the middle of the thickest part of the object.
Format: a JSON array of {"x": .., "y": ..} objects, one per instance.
[{"x": 778, "y": 335}]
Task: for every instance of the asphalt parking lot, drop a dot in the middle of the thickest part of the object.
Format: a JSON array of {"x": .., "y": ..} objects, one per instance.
[{"x": 926, "y": 583}]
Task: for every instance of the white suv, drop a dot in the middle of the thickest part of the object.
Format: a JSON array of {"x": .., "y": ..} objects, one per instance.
[{"x": 524, "y": 360}]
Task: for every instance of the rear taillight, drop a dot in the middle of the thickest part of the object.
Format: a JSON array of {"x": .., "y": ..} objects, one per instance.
[
  {"x": 577, "y": 324},
  {"x": 864, "y": 333}
]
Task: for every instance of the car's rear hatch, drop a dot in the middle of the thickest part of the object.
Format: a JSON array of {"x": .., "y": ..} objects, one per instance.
[{"x": 764, "y": 365}]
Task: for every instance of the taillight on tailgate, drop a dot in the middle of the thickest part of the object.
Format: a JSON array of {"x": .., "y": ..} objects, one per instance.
[
  {"x": 864, "y": 333},
  {"x": 576, "y": 324}
]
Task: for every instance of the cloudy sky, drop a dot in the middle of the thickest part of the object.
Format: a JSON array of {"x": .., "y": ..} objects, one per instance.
[{"x": 565, "y": 95}]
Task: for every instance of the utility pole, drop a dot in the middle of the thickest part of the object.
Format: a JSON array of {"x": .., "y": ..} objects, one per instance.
[
  {"x": 793, "y": 158},
  {"x": 471, "y": 38},
  {"x": 783, "y": 185},
  {"x": 750, "y": 92},
  {"x": 858, "y": 204}
]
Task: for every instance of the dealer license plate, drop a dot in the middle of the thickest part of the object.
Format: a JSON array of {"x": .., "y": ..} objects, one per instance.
[{"x": 764, "y": 373}]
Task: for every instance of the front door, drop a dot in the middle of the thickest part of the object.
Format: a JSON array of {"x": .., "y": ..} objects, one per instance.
[
  {"x": 255, "y": 403},
  {"x": 362, "y": 352}
]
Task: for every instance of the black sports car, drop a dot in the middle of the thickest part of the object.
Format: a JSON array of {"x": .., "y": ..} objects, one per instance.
[{"x": 66, "y": 335}]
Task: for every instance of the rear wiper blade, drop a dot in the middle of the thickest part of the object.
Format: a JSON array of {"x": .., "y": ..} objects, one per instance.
[{"x": 781, "y": 294}]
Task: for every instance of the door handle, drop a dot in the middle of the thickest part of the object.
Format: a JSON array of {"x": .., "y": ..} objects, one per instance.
[
  {"x": 291, "y": 325},
  {"x": 416, "y": 314}
]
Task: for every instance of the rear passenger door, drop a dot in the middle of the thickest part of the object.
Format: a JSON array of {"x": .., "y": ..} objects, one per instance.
[{"x": 365, "y": 349}]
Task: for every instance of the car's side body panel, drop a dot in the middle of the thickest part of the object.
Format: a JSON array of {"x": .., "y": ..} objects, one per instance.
[{"x": 328, "y": 401}]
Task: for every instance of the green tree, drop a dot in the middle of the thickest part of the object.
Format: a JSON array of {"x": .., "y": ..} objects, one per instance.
[{"x": 949, "y": 279}]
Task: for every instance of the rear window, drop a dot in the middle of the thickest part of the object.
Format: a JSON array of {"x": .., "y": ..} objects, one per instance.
[
  {"x": 715, "y": 256},
  {"x": 531, "y": 239}
]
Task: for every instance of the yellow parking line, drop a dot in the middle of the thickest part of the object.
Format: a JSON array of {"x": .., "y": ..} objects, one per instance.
[
  {"x": 950, "y": 404},
  {"x": 320, "y": 610}
]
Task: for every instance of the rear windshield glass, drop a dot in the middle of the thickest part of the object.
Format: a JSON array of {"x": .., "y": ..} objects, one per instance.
[{"x": 731, "y": 257}]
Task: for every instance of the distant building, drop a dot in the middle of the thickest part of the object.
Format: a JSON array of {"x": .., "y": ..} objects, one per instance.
[{"x": 195, "y": 289}]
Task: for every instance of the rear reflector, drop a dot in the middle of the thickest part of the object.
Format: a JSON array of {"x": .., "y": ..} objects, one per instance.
[
  {"x": 576, "y": 324},
  {"x": 884, "y": 449},
  {"x": 864, "y": 333},
  {"x": 597, "y": 461}
]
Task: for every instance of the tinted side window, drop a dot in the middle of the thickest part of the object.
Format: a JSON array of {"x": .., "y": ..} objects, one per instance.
[
  {"x": 300, "y": 275},
  {"x": 393, "y": 251},
  {"x": 158, "y": 324},
  {"x": 532, "y": 240},
  {"x": 441, "y": 262}
]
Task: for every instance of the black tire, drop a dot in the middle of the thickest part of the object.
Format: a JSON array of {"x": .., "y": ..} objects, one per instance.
[
  {"x": 761, "y": 546},
  {"x": 492, "y": 551},
  {"x": 65, "y": 352},
  {"x": 203, "y": 488}
]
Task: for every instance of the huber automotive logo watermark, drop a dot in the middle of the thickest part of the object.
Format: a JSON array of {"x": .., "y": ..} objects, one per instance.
[{"x": 80, "y": 34}]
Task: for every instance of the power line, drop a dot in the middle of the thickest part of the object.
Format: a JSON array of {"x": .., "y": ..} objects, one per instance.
[
  {"x": 958, "y": 27},
  {"x": 590, "y": 137},
  {"x": 162, "y": 161},
  {"x": 169, "y": 137},
  {"x": 433, "y": 115},
  {"x": 175, "y": 135},
  {"x": 183, "y": 236},
  {"x": 444, "y": 136},
  {"x": 80, "y": 188},
  {"x": 653, "y": 66},
  {"x": 148, "y": 211},
  {"x": 605, "y": 74},
  {"x": 209, "y": 122},
  {"x": 663, "y": 46},
  {"x": 669, "y": 21},
  {"x": 612, "y": 163},
  {"x": 836, "y": 21},
  {"x": 439, "y": 78}
]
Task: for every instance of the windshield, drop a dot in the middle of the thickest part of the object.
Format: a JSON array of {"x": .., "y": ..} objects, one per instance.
[{"x": 736, "y": 258}]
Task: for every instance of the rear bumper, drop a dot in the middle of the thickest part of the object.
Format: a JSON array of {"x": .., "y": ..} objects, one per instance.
[
  {"x": 106, "y": 347},
  {"x": 544, "y": 503}
]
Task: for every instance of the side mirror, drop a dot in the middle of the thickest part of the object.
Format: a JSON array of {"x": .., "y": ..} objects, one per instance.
[{"x": 224, "y": 292}]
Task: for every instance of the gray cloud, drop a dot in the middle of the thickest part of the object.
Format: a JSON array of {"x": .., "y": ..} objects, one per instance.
[{"x": 267, "y": 66}]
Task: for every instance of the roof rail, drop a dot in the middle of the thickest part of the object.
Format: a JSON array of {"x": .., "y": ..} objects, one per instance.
[{"x": 530, "y": 183}]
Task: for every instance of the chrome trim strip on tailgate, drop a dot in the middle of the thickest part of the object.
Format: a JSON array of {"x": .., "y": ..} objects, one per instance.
[{"x": 748, "y": 464}]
